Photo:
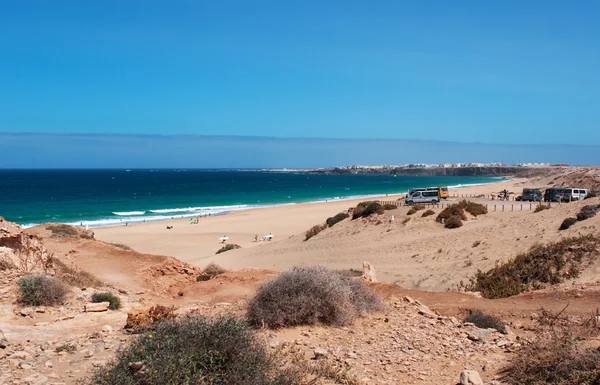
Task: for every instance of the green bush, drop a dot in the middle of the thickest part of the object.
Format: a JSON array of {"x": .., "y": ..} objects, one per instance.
[
  {"x": 568, "y": 222},
  {"x": 310, "y": 295},
  {"x": 365, "y": 209},
  {"x": 227, "y": 247},
  {"x": 542, "y": 264},
  {"x": 314, "y": 231},
  {"x": 451, "y": 211},
  {"x": 113, "y": 300},
  {"x": 40, "y": 290},
  {"x": 485, "y": 321},
  {"x": 414, "y": 209},
  {"x": 195, "y": 350},
  {"x": 336, "y": 219},
  {"x": 428, "y": 213}
]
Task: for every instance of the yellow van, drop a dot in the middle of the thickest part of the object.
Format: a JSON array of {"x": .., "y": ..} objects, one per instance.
[{"x": 443, "y": 192}]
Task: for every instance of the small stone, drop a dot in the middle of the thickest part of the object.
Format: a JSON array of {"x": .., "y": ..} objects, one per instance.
[
  {"x": 26, "y": 311},
  {"x": 42, "y": 324},
  {"x": 48, "y": 364},
  {"x": 320, "y": 353},
  {"x": 479, "y": 334},
  {"x": 25, "y": 365},
  {"x": 40, "y": 309},
  {"x": 107, "y": 329},
  {"x": 87, "y": 353},
  {"x": 97, "y": 307},
  {"x": 470, "y": 377},
  {"x": 274, "y": 344}
]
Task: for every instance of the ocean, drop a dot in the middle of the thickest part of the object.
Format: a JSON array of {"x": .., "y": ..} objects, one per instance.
[{"x": 99, "y": 198}]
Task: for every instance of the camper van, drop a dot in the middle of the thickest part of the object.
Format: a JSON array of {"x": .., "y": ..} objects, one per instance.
[
  {"x": 423, "y": 196},
  {"x": 442, "y": 191}
]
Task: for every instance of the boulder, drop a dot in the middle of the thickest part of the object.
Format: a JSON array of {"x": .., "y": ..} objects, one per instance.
[
  {"x": 478, "y": 334},
  {"x": 368, "y": 272},
  {"x": 96, "y": 307},
  {"x": 321, "y": 353},
  {"x": 470, "y": 377}
]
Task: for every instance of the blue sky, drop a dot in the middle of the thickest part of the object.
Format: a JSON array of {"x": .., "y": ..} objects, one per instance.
[{"x": 505, "y": 72}]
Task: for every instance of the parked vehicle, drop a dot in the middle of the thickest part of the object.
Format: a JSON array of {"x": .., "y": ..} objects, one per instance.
[
  {"x": 420, "y": 197},
  {"x": 442, "y": 191},
  {"x": 578, "y": 193},
  {"x": 558, "y": 195},
  {"x": 531, "y": 195}
]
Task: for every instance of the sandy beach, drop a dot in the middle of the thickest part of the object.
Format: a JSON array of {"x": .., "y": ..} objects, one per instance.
[{"x": 195, "y": 243}]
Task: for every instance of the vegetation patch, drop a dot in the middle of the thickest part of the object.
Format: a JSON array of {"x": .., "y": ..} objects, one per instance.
[
  {"x": 592, "y": 194},
  {"x": 406, "y": 220},
  {"x": 195, "y": 350},
  {"x": 73, "y": 276},
  {"x": 310, "y": 295},
  {"x": 227, "y": 247},
  {"x": 389, "y": 206},
  {"x": 368, "y": 208},
  {"x": 588, "y": 212},
  {"x": 62, "y": 231},
  {"x": 314, "y": 231},
  {"x": 428, "y": 213},
  {"x": 41, "y": 290},
  {"x": 568, "y": 222},
  {"x": 543, "y": 264},
  {"x": 336, "y": 219},
  {"x": 485, "y": 321},
  {"x": 414, "y": 209},
  {"x": 453, "y": 215},
  {"x": 113, "y": 300},
  {"x": 541, "y": 208},
  {"x": 120, "y": 246}
]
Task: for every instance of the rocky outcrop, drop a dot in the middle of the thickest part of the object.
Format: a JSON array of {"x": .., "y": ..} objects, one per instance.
[
  {"x": 96, "y": 307},
  {"x": 25, "y": 251},
  {"x": 470, "y": 377},
  {"x": 369, "y": 272}
]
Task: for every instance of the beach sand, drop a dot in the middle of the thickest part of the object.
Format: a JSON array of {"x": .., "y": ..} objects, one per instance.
[{"x": 194, "y": 243}]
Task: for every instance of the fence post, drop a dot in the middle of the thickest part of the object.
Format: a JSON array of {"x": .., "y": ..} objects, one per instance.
[
  {"x": 512, "y": 207},
  {"x": 521, "y": 206},
  {"x": 502, "y": 206},
  {"x": 530, "y": 206},
  {"x": 494, "y": 207}
]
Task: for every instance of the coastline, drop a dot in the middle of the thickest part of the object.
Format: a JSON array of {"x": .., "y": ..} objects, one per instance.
[
  {"x": 134, "y": 218},
  {"x": 194, "y": 243}
]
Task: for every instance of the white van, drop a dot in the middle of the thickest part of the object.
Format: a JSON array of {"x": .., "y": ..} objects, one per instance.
[
  {"x": 578, "y": 193},
  {"x": 419, "y": 197}
]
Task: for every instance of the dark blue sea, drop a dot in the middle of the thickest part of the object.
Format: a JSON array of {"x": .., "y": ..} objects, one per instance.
[{"x": 114, "y": 197}]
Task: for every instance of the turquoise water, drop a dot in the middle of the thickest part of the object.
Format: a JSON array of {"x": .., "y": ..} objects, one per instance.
[{"x": 114, "y": 197}]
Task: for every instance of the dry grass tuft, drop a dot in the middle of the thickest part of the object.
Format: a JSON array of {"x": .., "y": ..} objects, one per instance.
[
  {"x": 485, "y": 321},
  {"x": 428, "y": 213},
  {"x": 414, "y": 209},
  {"x": 568, "y": 222},
  {"x": 336, "y": 219},
  {"x": 75, "y": 277},
  {"x": 41, "y": 290},
  {"x": 314, "y": 231},
  {"x": 541, "y": 208},
  {"x": 227, "y": 247},
  {"x": 310, "y": 295},
  {"x": 368, "y": 208}
]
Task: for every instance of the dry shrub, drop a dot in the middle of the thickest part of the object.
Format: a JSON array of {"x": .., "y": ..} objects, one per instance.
[
  {"x": 41, "y": 290},
  {"x": 428, "y": 213},
  {"x": 195, "y": 350},
  {"x": 542, "y": 264},
  {"x": 310, "y": 295},
  {"x": 389, "y": 206},
  {"x": 476, "y": 243},
  {"x": 485, "y": 321},
  {"x": 68, "y": 348},
  {"x": 453, "y": 223},
  {"x": 554, "y": 356},
  {"x": 568, "y": 222},
  {"x": 336, "y": 218},
  {"x": 227, "y": 247},
  {"x": 113, "y": 300},
  {"x": 314, "y": 231},
  {"x": 451, "y": 211},
  {"x": 213, "y": 269},
  {"x": 406, "y": 220},
  {"x": 592, "y": 194},
  {"x": 414, "y": 209},
  {"x": 474, "y": 209},
  {"x": 541, "y": 208},
  {"x": 62, "y": 231},
  {"x": 75, "y": 277},
  {"x": 139, "y": 322},
  {"x": 120, "y": 246},
  {"x": 365, "y": 209},
  {"x": 588, "y": 212}
]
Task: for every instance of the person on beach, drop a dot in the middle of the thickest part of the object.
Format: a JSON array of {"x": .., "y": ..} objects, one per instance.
[
  {"x": 255, "y": 237},
  {"x": 224, "y": 238}
]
